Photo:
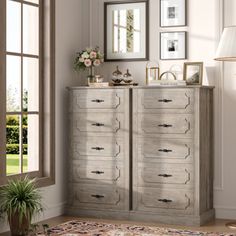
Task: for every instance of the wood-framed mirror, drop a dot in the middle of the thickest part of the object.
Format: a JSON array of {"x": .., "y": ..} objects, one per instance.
[{"x": 126, "y": 30}]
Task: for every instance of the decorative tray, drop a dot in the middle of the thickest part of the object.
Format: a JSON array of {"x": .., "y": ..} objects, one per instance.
[{"x": 123, "y": 84}]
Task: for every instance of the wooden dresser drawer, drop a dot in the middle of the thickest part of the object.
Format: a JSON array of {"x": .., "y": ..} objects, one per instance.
[
  {"x": 174, "y": 124},
  {"x": 168, "y": 175},
  {"x": 162, "y": 99},
  {"x": 100, "y": 123},
  {"x": 98, "y": 197},
  {"x": 98, "y": 148},
  {"x": 98, "y": 99},
  {"x": 164, "y": 150},
  {"x": 165, "y": 200},
  {"x": 97, "y": 172}
]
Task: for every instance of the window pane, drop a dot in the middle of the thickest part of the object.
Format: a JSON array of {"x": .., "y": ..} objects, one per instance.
[
  {"x": 115, "y": 17},
  {"x": 137, "y": 16},
  {"x": 13, "y": 83},
  {"x": 137, "y": 40},
  {"x": 123, "y": 40},
  {"x": 32, "y": 143},
  {"x": 30, "y": 29},
  {"x": 13, "y": 144},
  {"x": 30, "y": 84},
  {"x": 123, "y": 17},
  {"x": 13, "y": 26},
  {"x": 115, "y": 46},
  {"x": 32, "y": 1}
]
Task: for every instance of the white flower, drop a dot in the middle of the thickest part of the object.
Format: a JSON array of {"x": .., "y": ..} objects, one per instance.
[
  {"x": 97, "y": 62},
  {"x": 81, "y": 59},
  {"x": 93, "y": 55},
  {"x": 85, "y": 55},
  {"x": 87, "y": 62}
]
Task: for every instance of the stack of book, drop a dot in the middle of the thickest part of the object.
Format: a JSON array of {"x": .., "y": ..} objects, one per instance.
[
  {"x": 99, "y": 84},
  {"x": 167, "y": 82}
]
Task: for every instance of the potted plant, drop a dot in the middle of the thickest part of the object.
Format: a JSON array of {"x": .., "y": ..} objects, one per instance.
[{"x": 20, "y": 200}]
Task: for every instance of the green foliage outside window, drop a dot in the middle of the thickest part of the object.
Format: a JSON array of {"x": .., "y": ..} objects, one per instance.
[{"x": 13, "y": 135}]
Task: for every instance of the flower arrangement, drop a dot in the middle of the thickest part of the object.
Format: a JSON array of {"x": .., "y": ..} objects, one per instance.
[{"x": 88, "y": 58}]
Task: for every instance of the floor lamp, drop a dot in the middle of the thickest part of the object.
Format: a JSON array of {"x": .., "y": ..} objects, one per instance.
[{"x": 227, "y": 52}]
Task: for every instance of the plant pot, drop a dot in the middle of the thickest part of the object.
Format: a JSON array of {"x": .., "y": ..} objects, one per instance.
[{"x": 18, "y": 228}]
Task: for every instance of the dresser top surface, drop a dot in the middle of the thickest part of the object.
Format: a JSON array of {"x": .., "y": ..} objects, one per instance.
[{"x": 144, "y": 87}]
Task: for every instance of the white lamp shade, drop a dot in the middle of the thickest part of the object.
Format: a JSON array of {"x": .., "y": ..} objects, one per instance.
[{"x": 227, "y": 47}]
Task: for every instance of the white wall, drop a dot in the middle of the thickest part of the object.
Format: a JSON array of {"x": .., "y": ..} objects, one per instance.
[
  {"x": 69, "y": 39},
  {"x": 225, "y": 195},
  {"x": 203, "y": 33},
  {"x": 79, "y": 23},
  {"x": 205, "y": 22}
]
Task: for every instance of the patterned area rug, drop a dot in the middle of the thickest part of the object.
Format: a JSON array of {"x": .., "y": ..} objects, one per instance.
[{"x": 89, "y": 228}]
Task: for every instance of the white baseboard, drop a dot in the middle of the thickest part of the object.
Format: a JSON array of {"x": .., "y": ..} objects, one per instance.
[{"x": 223, "y": 212}]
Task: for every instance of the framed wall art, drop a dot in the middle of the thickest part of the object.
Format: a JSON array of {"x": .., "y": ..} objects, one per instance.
[
  {"x": 173, "y": 45},
  {"x": 173, "y": 13},
  {"x": 193, "y": 73},
  {"x": 126, "y": 30}
]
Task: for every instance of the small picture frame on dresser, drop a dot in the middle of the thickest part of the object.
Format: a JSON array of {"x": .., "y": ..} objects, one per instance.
[
  {"x": 173, "y": 45},
  {"x": 173, "y": 13},
  {"x": 193, "y": 73}
]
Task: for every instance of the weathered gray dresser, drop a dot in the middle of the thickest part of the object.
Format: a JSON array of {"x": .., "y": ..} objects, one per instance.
[
  {"x": 100, "y": 125},
  {"x": 142, "y": 153}
]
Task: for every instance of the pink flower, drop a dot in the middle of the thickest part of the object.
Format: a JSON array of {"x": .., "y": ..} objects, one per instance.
[
  {"x": 97, "y": 62},
  {"x": 93, "y": 55},
  {"x": 87, "y": 62}
]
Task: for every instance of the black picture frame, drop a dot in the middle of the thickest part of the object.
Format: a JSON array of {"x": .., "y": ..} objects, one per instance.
[
  {"x": 146, "y": 58},
  {"x": 169, "y": 26},
  {"x": 185, "y": 46}
]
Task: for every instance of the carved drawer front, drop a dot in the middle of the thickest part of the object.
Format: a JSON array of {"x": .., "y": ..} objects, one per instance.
[
  {"x": 97, "y": 172},
  {"x": 166, "y": 124},
  {"x": 98, "y": 197},
  {"x": 166, "y": 99},
  {"x": 175, "y": 175},
  {"x": 158, "y": 200},
  {"x": 98, "y": 99},
  {"x": 171, "y": 150},
  {"x": 106, "y": 123},
  {"x": 98, "y": 148}
]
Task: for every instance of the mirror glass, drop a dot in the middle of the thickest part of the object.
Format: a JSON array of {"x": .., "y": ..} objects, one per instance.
[{"x": 126, "y": 31}]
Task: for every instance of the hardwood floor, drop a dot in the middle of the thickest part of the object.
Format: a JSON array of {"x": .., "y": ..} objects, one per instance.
[{"x": 215, "y": 226}]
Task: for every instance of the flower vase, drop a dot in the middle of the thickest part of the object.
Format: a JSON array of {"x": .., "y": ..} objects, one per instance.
[{"x": 91, "y": 75}]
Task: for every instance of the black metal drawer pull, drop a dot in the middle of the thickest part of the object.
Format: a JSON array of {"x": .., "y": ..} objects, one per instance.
[
  {"x": 97, "y": 196},
  {"x": 165, "y": 175},
  {"x": 165, "y": 100},
  {"x": 97, "y": 148},
  {"x": 97, "y": 100},
  {"x": 165, "y": 126},
  {"x": 164, "y": 150},
  {"x": 165, "y": 200},
  {"x": 97, "y": 172},
  {"x": 98, "y": 124}
]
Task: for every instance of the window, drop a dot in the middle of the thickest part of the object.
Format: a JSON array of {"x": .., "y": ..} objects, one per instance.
[
  {"x": 126, "y": 31},
  {"x": 27, "y": 89}
]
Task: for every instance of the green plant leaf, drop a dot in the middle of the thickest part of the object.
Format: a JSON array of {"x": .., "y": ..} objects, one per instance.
[{"x": 20, "y": 197}]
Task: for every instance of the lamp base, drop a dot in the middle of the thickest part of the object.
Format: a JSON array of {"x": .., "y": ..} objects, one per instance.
[{"x": 231, "y": 225}]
